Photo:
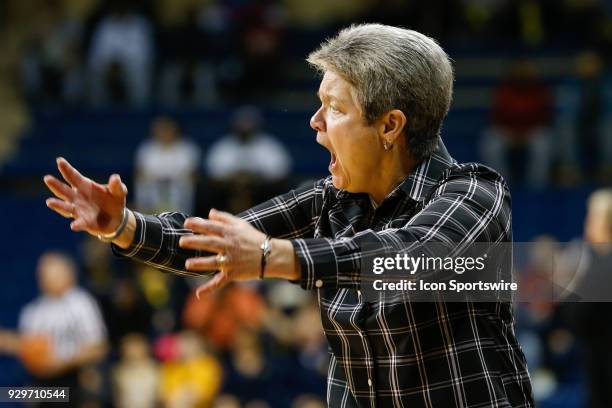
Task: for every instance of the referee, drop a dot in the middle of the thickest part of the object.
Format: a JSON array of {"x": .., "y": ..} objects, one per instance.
[{"x": 70, "y": 321}]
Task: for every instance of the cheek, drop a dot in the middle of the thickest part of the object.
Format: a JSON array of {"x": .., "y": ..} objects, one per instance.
[{"x": 354, "y": 145}]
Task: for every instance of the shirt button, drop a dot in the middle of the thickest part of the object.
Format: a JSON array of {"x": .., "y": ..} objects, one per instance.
[
  {"x": 319, "y": 283},
  {"x": 369, "y": 382}
]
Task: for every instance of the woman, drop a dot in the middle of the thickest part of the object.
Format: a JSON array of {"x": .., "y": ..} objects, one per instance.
[{"x": 384, "y": 94}]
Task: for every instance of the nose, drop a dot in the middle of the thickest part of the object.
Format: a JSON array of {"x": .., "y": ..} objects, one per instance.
[{"x": 317, "y": 122}]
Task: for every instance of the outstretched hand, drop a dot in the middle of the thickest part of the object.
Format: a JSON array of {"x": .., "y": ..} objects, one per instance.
[
  {"x": 239, "y": 252},
  {"x": 95, "y": 208},
  {"x": 237, "y": 243}
]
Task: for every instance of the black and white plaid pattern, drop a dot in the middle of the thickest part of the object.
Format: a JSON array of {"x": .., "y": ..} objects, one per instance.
[{"x": 403, "y": 354}]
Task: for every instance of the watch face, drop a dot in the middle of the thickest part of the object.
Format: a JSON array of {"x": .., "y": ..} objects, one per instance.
[{"x": 266, "y": 247}]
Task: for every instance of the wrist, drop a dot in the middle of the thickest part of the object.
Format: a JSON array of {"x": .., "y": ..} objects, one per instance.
[
  {"x": 282, "y": 262},
  {"x": 125, "y": 239},
  {"x": 119, "y": 230}
]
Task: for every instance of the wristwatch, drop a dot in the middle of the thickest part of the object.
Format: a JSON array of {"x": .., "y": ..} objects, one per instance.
[{"x": 266, "y": 248}]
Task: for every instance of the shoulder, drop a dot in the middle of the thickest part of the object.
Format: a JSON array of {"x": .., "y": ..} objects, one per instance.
[
  {"x": 31, "y": 312},
  {"x": 478, "y": 192},
  {"x": 80, "y": 298},
  {"x": 187, "y": 144},
  {"x": 146, "y": 146},
  {"x": 266, "y": 139},
  {"x": 471, "y": 179},
  {"x": 224, "y": 142},
  {"x": 30, "y": 309},
  {"x": 188, "y": 148}
]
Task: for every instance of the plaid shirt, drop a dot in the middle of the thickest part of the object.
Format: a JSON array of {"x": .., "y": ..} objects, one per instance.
[{"x": 436, "y": 354}]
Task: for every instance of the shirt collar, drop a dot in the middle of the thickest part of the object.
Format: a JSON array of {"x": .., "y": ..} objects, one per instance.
[{"x": 419, "y": 183}]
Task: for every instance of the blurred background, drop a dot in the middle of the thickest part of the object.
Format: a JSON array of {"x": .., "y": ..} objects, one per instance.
[{"x": 203, "y": 103}]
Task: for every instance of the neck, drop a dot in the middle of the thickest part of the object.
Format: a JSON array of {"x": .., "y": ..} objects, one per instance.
[{"x": 396, "y": 166}]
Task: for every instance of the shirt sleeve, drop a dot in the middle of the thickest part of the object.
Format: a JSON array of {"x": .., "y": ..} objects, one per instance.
[
  {"x": 289, "y": 216},
  {"x": 464, "y": 209},
  {"x": 24, "y": 324}
]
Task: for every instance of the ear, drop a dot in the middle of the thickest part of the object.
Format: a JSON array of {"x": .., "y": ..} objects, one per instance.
[{"x": 392, "y": 125}]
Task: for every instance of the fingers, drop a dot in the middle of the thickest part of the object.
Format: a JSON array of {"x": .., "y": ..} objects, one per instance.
[
  {"x": 216, "y": 282},
  {"x": 221, "y": 216},
  {"x": 202, "y": 264},
  {"x": 61, "y": 207},
  {"x": 203, "y": 242},
  {"x": 116, "y": 187},
  {"x": 202, "y": 226},
  {"x": 70, "y": 174},
  {"x": 60, "y": 189},
  {"x": 78, "y": 225}
]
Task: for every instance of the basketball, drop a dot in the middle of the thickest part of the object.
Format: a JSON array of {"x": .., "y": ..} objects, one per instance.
[{"x": 35, "y": 353}]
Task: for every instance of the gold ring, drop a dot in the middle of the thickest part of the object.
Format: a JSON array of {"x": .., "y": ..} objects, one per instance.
[
  {"x": 221, "y": 260},
  {"x": 72, "y": 210}
]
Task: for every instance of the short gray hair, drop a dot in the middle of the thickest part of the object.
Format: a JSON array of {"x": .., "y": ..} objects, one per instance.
[{"x": 393, "y": 68}]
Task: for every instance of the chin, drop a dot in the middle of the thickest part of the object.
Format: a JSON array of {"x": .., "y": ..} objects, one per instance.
[{"x": 339, "y": 182}]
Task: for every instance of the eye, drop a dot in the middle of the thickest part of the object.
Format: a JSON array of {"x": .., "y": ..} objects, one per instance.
[{"x": 334, "y": 109}]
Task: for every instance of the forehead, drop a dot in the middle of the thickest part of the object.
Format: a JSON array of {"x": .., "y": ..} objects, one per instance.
[{"x": 333, "y": 86}]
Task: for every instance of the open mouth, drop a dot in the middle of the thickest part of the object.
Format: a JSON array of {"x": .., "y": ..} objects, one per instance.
[{"x": 333, "y": 161}]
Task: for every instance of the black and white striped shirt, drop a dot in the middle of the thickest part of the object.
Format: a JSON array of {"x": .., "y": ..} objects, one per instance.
[
  {"x": 408, "y": 354},
  {"x": 71, "y": 321}
]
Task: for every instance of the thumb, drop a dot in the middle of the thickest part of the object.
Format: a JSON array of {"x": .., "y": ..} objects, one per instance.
[
  {"x": 216, "y": 282},
  {"x": 116, "y": 187}
]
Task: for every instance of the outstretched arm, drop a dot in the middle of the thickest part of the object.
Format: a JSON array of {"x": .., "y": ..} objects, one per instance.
[{"x": 156, "y": 239}]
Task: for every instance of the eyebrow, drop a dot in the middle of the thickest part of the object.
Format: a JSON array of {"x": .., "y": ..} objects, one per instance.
[{"x": 327, "y": 96}]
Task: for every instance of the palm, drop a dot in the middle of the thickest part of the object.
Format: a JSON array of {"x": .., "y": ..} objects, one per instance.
[{"x": 96, "y": 208}]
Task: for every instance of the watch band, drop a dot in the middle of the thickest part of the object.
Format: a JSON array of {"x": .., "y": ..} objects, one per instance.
[{"x": 266, "y": 248}]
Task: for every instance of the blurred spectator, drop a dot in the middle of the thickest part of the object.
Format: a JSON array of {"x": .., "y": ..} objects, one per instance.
[
  {"x": 227, "y": 401},
  {"x": 219, "y": 317},
  {"x": 518, "y": 144},
  {"x": 125, "y": 311},
  {"x": 247, "y": 165},
  {"x": 248, "y": 152},
  {"x": 136, "y": 375},
  {"x": 590, "y": 309},
  {"x": 585, "y": 22},
  {"x": 277, "y": 365},
  {"x": 260, "y": 25},
  {"x": 193, "y": 379},
  {"x": 549, "y": 346},
  {"x": 61, "y": 332},
  {"x": 284, "y": 301},
  {"x": 310, "y": 340},
  {"x": 308, "y": 401},
  {"x": 584, "y": 122},
  {"x": 252, "y": 374},
  {"x": 121, "y": 57},
  {"x": 188, "y": 69},
  {"x": 51, "y": 68},
  {"x": 166, "y": 167}
]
